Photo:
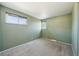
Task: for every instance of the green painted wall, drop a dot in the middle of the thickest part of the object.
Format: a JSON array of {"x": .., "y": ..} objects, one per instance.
[
  {"x": 59, "y": 28},
  {"x": 14, "y": 35},
  {"x": 75, "y": 29},
  {"x": 0, "y": 32},
  {"x": 78, "y": 30}
]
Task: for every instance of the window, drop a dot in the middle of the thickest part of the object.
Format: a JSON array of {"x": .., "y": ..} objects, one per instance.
[
  {"x": 43, "y": 25},
  {"x": 22, "y": 20},
  {"x": 14, "y": 19}
]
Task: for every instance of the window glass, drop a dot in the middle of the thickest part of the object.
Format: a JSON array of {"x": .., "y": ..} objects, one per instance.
[
  {"x": 11, "y": 19},
  {"x": 43, "y": 25},
  {"x": 22, "y": 20},
  {"x": 14, "y": 19}
]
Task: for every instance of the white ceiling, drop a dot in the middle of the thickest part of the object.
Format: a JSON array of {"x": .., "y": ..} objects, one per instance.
[{"x": 41, "y": 10}]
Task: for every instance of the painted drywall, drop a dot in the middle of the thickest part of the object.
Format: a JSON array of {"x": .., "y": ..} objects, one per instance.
[
  {"x": 0, "y": 31},
  {"x": 75, "y": 28},
  {"x": 78, "y": 29},
  {"x": 59, "y": 28},
  {"x": 14, "y": 34}
]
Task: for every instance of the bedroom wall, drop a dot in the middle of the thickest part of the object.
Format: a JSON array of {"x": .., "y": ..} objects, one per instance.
[
  {"x": 0, "y": 31},
  {"x": 59, "y": 28},
  {"x": 78, "y": 29},
  {"x": 14, "y": 34},
  {"x": 75, "y": 29}
]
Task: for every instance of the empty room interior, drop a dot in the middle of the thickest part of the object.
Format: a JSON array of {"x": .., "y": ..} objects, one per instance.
[{"x": 39, "y": 28}]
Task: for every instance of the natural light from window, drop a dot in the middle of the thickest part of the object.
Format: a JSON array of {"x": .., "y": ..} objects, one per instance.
[
  {"x": 43, "y": 25},
  {"x": 14, "y": 19}
]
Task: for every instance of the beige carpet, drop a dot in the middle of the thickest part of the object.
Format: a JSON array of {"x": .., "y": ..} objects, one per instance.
[{"x": 39, "y": 47}]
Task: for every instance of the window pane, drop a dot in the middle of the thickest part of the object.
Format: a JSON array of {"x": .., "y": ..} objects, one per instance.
[
  {"x": 11, "y": 19},
  {"x": 22, "y": 20},
  {"x": 43, "y": 25},
  {"x": 14, "y": 19}
]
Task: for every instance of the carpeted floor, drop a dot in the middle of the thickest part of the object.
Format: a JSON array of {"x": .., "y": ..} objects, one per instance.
[{"x": 39, "y": 47}]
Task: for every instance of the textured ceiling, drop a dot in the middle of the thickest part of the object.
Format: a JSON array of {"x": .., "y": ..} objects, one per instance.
[{"x": 41, "y": 10}]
